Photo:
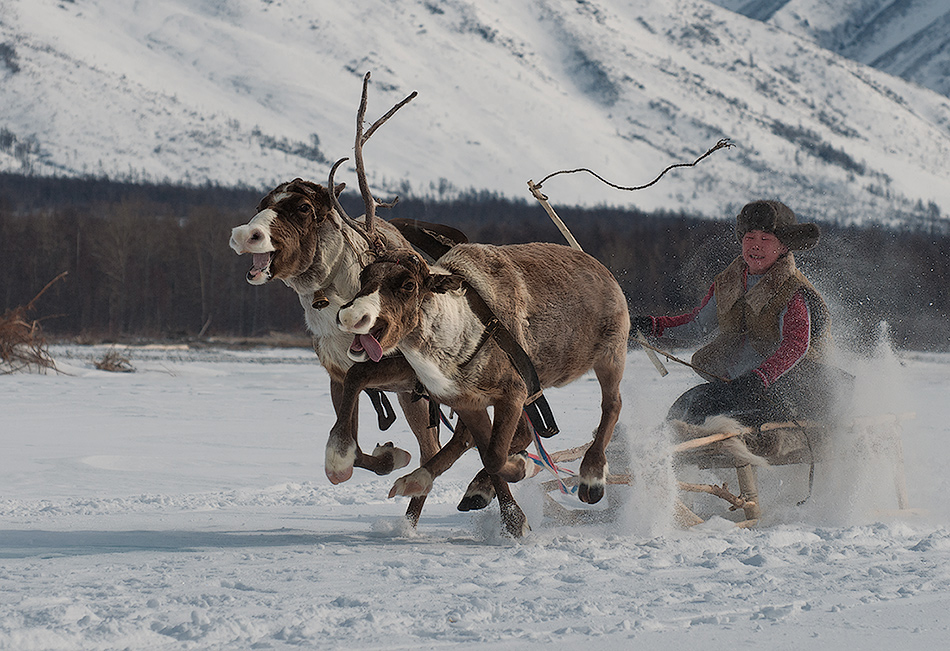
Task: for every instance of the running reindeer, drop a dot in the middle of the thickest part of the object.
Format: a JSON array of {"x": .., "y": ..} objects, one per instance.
[
  {"x": 302, "y": 236},
  {"x": 455, "y": 325}
]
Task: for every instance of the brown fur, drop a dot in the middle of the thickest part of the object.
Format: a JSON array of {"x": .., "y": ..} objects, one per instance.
[
  {"x": 315, "y": 251},
  {"x": 564, "y": 307}
]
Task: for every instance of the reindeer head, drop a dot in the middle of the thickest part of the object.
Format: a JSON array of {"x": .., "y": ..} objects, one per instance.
[
  {"x": 284, "y": 234},
  {"x": 389, "y": 303}
]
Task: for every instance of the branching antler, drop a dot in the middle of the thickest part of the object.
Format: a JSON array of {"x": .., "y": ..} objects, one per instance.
[
  {"x": 335, "y": 201},
  {"x": 722, "y": 144},
  {"x": 369, "y": 201}
]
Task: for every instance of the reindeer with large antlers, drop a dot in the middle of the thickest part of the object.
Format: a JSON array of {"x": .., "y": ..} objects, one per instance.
[{"x": 302, "y": 236}]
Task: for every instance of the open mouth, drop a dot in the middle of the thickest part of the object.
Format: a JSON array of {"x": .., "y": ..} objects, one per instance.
[
  {"x": 260, "y": 268},
  {"x": 368, "y": 345}
]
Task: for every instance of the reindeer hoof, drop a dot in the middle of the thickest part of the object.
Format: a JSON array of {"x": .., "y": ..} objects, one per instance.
[
  {"x": 474, "y": 502},
  {"x": 516, "y": 524},
  {"x": 396, "y": 457},
  {"x": 530, "y": 467},
  {"x": 590, "y": 493},
  {"x": 593, "y": 479},
  {"x": 339, "y": 463},
  {"x": 338, "y": 477},
  {"x": 418, "y": 483}
]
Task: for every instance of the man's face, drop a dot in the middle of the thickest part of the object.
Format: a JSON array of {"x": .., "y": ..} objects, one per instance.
[{"x": 760, "y": 250}]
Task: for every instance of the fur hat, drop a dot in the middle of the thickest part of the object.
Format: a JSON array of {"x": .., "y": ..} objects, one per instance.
[{"x": 776, "y": 218}]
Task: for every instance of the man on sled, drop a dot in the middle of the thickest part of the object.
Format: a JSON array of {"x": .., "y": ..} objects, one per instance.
[{"x": 768, "y": 358}]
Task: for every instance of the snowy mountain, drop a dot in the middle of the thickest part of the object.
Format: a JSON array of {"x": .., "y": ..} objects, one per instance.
[
  {"x": 907, "y": 38},
  {"x": 254, "y": 92}
]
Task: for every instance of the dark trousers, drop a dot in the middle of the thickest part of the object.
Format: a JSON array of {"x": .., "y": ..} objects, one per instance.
[{"x": 808, "y": 391}]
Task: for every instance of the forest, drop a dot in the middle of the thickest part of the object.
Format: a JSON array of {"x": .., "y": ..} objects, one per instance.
[{"x": 152, "y": 262}]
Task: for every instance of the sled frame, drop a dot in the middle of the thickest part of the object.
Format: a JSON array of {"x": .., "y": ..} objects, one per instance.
[{"x": 794, "y": 442}]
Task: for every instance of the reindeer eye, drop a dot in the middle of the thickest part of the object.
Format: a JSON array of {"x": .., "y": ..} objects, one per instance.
[
  {"x": 408, "y": 287},
  {"x": 304, "y": 209}
]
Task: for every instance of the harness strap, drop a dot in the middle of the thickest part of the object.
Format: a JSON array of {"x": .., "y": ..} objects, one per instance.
[
  {"x": 384, "y": 409},
  {"x": 536, "y": 406}
]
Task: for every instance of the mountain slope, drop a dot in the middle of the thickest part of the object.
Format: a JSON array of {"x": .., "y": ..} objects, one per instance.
[
  {"x": 906, "y": 38},
  {"x": 254, "y": 92}
]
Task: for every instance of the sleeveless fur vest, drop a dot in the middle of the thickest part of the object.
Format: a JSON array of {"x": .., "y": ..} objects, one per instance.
[{"x": 752, "y": 318}]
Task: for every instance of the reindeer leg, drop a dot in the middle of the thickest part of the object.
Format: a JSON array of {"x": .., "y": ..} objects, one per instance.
[
  {"x": 343, "y": 452},
  {"x": 342, "y": 448},
  {"x": 512, "y": 517},
  {"x": 479, "y": 494},
  {"x": 497, "y": 457},
  {"x": 593, "y": 471},
  {"x": 417, "y": 415},
  {"x": 419, "y": 482},
  {"x": 480, "y": 491}
]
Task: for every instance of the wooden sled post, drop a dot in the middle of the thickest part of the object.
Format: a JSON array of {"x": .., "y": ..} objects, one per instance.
[{"x": 749, "y": 491}]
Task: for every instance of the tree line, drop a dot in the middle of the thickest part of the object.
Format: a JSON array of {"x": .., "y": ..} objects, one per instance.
[{"x": 153, "y": 262}]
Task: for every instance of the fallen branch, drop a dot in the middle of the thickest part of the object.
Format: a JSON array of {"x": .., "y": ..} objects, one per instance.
[
  {"x": 113, "y": 362},
  {"x": 22, "y": 344}
]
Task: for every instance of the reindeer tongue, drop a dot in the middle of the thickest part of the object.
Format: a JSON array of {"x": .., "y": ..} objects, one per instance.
[{"x": 368, "y": 344}]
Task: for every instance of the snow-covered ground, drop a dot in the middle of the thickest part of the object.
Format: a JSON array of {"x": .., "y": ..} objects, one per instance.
[{"x": 184, "y": 506}]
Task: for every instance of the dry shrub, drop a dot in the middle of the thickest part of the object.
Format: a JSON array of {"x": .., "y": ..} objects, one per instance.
[
  {"x": 22, "y": 345},
  {"x": 114, "y": 362}
]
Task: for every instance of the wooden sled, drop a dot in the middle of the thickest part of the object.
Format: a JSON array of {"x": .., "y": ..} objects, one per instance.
[{"x": 778, "y": 444}]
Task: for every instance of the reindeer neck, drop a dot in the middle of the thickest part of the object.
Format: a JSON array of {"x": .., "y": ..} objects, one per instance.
[
  {"x": 335, "y": 274},
  {"x": 446, "y": 324}
]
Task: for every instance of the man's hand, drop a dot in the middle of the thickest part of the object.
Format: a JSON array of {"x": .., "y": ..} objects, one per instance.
[{"x": 644, "y": 324}]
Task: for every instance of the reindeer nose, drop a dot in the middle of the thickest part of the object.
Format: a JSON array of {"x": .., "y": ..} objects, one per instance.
[
  {"x": 243, "y": 237},
  {"x": 350, "y": 320}
]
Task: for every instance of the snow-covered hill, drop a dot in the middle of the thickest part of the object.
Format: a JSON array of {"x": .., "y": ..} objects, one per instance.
[
  {"x": 907, "y": 38},
  {"x": 257, "y": 91}
]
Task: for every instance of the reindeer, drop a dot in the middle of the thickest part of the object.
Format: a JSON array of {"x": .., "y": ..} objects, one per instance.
[
  {"x": 564, "y": 309},
  {"x": 302, "y": 236}
]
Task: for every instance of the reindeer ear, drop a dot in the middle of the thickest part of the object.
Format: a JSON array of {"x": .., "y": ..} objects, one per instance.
[
  {"x": 444, "y": 283},
  {"x": 338, "y": 188}
]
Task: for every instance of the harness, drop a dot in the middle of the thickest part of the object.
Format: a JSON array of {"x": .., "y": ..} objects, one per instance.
[{"x": 536, "y": 406}]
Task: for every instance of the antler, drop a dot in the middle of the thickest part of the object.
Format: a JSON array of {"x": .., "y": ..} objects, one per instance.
[
  {"x": 335, "y": 202},
  {"x": 369, "y": 201}
]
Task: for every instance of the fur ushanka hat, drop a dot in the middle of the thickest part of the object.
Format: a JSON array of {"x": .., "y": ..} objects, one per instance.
[{"x": 776, "y": 218}]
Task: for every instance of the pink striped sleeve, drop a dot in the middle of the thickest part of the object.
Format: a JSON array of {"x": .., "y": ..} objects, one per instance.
[{"x": 796, "y": 334}]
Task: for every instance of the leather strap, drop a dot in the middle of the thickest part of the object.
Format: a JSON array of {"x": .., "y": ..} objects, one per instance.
[
  {"x": 536, "y": 406},
  {"x": 384, "y": 409}
]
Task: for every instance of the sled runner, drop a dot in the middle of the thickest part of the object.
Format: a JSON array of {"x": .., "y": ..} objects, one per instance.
[
  {"x": 747, "y": 449},
  {"x": 728, "y": 444}
]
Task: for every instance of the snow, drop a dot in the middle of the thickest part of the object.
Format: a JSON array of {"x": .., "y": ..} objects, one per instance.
[
  {"x": 184, "y": 506},
  {"x": 236, "y": 93}
]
